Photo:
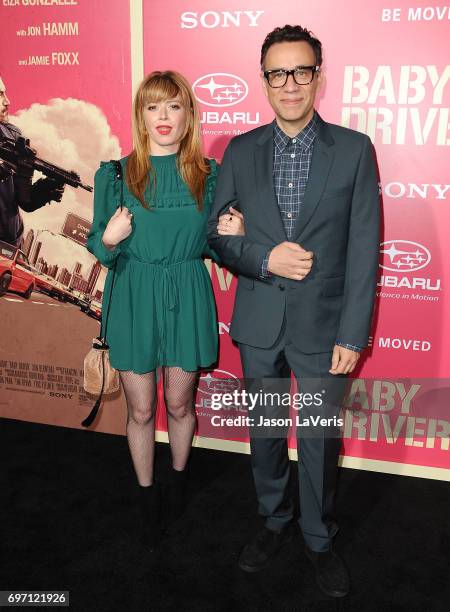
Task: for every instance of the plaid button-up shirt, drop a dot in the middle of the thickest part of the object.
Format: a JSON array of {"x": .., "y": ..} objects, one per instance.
[{"x": 291, "y": 164}]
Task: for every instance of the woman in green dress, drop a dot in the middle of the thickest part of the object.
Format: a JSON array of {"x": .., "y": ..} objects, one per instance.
[{"x": 162, "y": 311}]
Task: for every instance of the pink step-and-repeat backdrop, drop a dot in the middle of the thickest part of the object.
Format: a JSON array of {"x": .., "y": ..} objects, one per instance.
[{"x": 70, "y": 68}]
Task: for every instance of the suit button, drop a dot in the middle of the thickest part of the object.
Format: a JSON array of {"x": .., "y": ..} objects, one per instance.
[{"x": 281, "y": 287}]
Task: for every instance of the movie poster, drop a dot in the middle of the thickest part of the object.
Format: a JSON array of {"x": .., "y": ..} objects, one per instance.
[{"x": 66, "y": 76}]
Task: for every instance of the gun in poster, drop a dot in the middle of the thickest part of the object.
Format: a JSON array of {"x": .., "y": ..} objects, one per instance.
[{"x": 18, "y": 152}]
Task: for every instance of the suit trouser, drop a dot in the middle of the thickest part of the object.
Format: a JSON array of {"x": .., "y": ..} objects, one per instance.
[{"x": 318, "y": 447}]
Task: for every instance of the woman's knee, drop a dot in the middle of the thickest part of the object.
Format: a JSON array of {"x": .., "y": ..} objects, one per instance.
[
  {"x": 141, "y": 417},
  {"x": 178, "y": 410}
]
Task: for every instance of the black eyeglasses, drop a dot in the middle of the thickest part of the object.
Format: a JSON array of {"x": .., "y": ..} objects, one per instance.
[{"x": 303, "y": 75}]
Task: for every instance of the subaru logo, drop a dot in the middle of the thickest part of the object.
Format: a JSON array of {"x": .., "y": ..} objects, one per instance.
[
  {"x": 404, "y": 256},
  {"x": 220, "y": 89},
  {"x": 218, "y": 382}
]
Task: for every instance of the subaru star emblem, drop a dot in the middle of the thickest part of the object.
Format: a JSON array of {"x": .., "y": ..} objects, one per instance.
[
  {"x": 404, "y": 256},
  {"x": 220, "y": 89},
  {"x": 218, "y": 381}
]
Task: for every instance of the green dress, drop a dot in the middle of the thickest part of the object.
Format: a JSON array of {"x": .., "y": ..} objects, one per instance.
[{"x": 162, "y": 308}]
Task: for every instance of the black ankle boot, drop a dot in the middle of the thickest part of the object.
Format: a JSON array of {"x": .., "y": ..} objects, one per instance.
[
  {"x": 177, "y": 494},
  {"x": 149, "y": 506}
]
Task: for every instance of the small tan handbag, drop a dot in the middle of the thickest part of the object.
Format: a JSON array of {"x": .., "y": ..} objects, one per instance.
[
  {"x": 100, "y": 378},
  {"x": 99, "y": 375}
]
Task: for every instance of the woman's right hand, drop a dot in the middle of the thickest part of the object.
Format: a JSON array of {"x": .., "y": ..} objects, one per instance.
[
  {"x": 231, "y": 223},
  {"x": 118, "y": 228}
]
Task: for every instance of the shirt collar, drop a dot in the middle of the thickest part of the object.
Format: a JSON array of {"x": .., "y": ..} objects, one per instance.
[{"x": 304, "y": 138}]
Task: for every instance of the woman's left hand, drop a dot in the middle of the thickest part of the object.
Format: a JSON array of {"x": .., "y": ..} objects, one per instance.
[{"x": 231, "y": 224}]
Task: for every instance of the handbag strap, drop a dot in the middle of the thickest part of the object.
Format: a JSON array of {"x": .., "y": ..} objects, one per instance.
[
  {"x": 93, "y": 414},
  {"x": 119, "y": 177}
]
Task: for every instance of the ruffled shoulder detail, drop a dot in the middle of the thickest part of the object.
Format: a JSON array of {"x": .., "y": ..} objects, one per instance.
[
  {"x": 106, "y": 174},
  {"x": 107, "y": 169}
]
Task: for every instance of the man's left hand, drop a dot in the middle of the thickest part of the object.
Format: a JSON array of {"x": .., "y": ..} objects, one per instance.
[{"x": 343, "y": 360}]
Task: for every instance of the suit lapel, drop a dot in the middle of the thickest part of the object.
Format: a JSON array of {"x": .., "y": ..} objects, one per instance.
[
  {"x": 321, "y": 161},
  {"x": 265, "y": 186}
]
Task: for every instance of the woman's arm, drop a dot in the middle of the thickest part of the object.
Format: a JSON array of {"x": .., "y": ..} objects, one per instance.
[{"x": 105, "y": 207}]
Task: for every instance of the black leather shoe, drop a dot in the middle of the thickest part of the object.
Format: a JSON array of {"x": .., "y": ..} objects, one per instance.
[
  {"x": 331, "y": 573},
  {"x": 257, "y": 554}
]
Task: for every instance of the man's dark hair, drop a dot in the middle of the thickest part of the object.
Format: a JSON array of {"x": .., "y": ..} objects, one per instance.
[{"x": 291, "y": 33}]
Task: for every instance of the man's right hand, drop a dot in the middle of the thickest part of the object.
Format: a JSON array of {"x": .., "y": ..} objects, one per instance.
[
  {"x": 119, "y": 227},
  {"x": 290, "y": 260}
]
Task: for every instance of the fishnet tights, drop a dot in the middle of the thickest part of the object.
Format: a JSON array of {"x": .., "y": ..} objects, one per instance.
[{"x": 140, "y": 394}]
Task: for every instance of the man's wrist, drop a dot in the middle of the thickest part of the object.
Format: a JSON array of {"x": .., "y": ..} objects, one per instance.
[
  {"x": 265, "y": 266},
  {"x": 351, "y": 347}
]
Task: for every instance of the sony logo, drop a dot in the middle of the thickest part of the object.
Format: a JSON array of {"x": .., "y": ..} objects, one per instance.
[
  {"x": 222, "y": 19},
  {"x": 396, "y": 189}
]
